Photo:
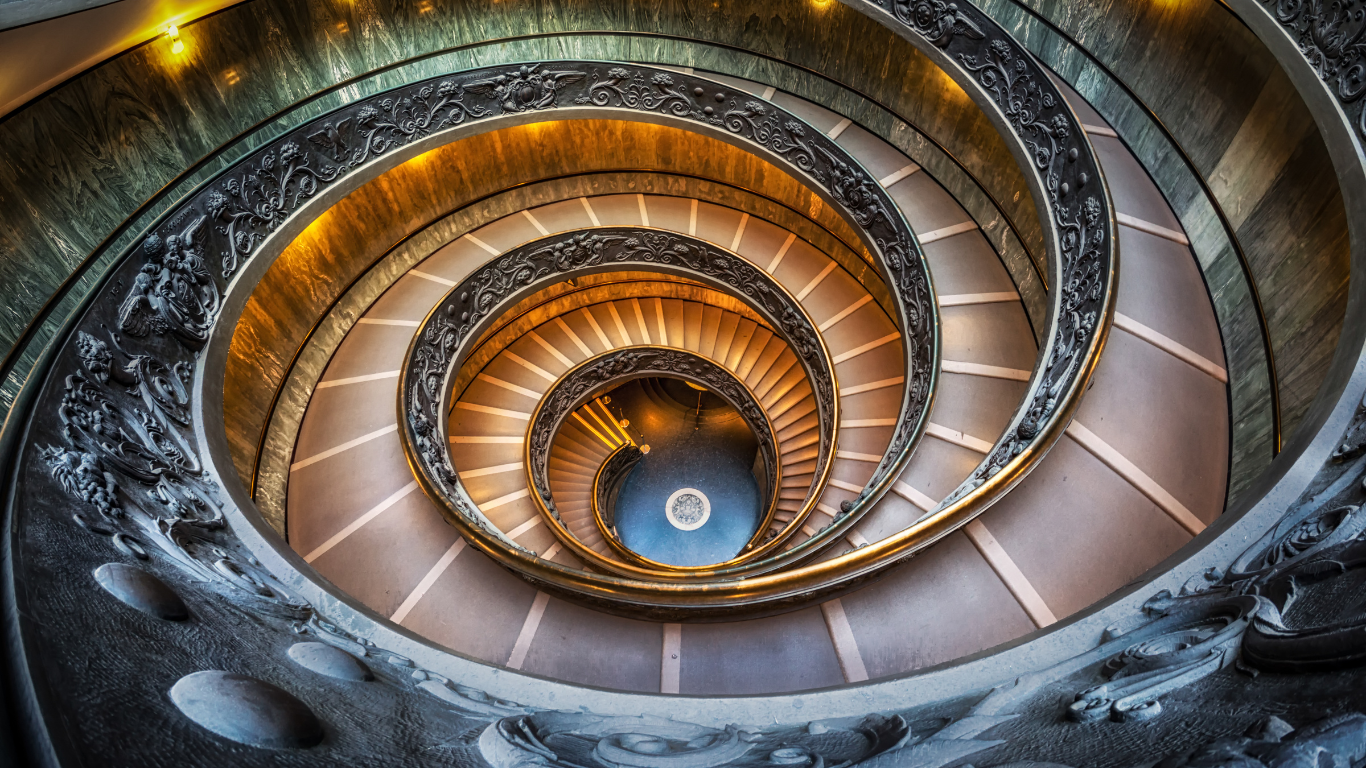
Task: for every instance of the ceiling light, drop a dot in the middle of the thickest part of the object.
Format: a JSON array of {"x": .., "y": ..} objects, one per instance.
[{"x": 177, "y": 45}]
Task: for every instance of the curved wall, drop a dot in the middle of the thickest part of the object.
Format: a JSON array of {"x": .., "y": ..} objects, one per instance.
[
  {"x": 314, "y": 270},
  {"x": 102, "y": 146},
  {"x": 1221, "y": 95},
  {"x": 1177, "y": 724},
  {"x": 104, "y": 143}
]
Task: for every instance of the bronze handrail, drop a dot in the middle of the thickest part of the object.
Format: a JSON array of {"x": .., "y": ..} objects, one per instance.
[{"x": 626, "y": 453}]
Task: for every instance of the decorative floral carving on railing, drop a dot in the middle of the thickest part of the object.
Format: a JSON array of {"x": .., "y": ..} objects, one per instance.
[
  {"x": 460, "y": 318},
  {"x": 778, "y": 133},
  {"x": 253, "y": 204},
  {"x": 1040, "y": 120},
  {"x": 1332, "y": 36},
  {"x": 633, "y": 89}
]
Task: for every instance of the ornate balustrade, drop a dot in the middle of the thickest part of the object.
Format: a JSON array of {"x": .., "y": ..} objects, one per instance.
[{"x": 607, "y": 482}]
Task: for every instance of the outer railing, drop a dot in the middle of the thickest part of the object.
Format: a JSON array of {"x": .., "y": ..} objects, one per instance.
[
  {"x": 87, "y": 488},
  {"x": 1083, "y": 249},
  {"x": 170, "y": 299},
  {"x": 585, "y": 381}
]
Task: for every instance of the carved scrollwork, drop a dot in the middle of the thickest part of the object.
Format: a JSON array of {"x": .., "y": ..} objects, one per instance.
[
  {"x": 1339, "y": 740},
  {"x": 1332, "y": 36},
  {"x": 657, "y": 92},
  {"x": 1039, "y": 118},
  {"x": 938, "y": 21},
  {"x": 1189, "y": 640},
  {"x": 173, "y": 292},
  {"x": 176, "y": 293},
  {"x": 249, "y": 206},
  {"x": 567, "y": 739},
  {"x": 1278, "y": 607},
  {"x": 123, "y": 424},
  {"x": 784, "y": 136},
  {"x": 530, "y": 87},
  {"x": 399, "y": 120}
]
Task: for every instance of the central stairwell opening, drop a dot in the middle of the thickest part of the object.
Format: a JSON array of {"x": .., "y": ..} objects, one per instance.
[{"x": 693, "y": 498}]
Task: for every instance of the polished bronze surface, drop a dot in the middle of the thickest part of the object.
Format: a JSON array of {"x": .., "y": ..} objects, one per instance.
[
  {"x": 561, "y": 299},
  {"x": 440, "y": 349}
]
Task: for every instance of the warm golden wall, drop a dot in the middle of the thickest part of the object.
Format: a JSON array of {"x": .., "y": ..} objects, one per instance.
[{"x": 316, "y": 268}]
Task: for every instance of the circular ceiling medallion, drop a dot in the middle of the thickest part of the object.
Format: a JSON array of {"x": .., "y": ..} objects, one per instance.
[{"x": 687, "y": 509}]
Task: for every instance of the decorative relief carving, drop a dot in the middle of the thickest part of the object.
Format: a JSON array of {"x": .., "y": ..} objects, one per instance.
[
  {"x": 826, "y": 163},
  {"x": 1279, "y": 607},
  {"x": 572, "y": 739},
  {"x": 1333, "y": 742},
  {"x": 395, "y": 121},
  {"x": 635, "y": 90},
  {"x": 173, "y": 292},
  {"x": 1039, "y": 117},
  {"x": 774, "y": 131},
  {"x": 938, "y": 21},
  {"x": 529, "y": 88},
  {"x": 123, "y": 453},
  {"x": 255, "y": 203},
  {"x": 1332, "y": 36},
  {"x": 879, "y": 740},
  {"x": 124, "y": 430},
  {"x": 176, "y": 294}
]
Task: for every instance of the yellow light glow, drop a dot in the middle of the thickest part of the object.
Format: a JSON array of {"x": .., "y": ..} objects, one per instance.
[{"x": 177, "y": 45}]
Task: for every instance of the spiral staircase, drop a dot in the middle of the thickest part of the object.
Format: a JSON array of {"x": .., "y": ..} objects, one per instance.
[{"x": 595, "y": 385}]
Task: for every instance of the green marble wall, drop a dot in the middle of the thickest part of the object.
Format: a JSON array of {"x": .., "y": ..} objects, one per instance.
[
  {"x": 122, "y": 141},
  {"x": 1222, "y": 97}
]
